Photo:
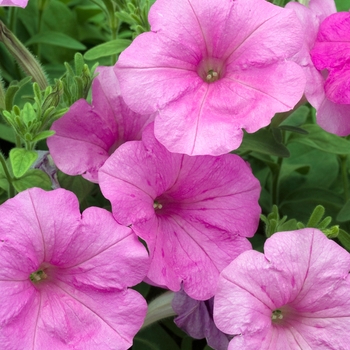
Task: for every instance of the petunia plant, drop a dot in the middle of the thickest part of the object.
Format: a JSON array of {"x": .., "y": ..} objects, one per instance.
[{"x": 174, "y": 174}]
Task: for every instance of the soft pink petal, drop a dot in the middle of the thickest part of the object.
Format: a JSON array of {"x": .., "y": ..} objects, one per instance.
[
  {"x": 217, "y": 112},
  {"x": 37, "y": 236},
  {"x": 87, "y": 320},
  {"x": 256, "y": 28},
  {"x": 86, "y": 263},
  {"x": 18, "y": 314},
  {"x": 153, "y": 71},
  {"x": 82, "y": 140},
  {"x": 332, "y": 47},
  {"x": 322, "y": 8},
  {"x": 87, "y": 134},
  {"x": 337, "y": 86},
  {"x": 20, "y": 3},
  {"x": 333, "y": 117}
]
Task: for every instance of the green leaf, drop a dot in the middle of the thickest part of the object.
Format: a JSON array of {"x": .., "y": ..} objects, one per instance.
[
  {"x": 43, "y": 135},
  {"x": 109, "y": 48},
  {"x": 322, "y": 140},
  {"x": 344, "y": 214},
  {"x": 344, "y": 239},
  {"x": 56, "y": 39},
  {"x": 21, "y": 160},
  {"x": 263, "y": 142},
  {"x": 76, "y": 184},
  {"x": 33, "y": 178},
  {"x": 342, "y": 5}
]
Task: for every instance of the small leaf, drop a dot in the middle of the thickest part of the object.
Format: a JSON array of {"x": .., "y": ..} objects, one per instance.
[
  {"x": 21, "y": 160},
  {"x": 109, "y": 48},
  {"x": 56, "y": 39},
  {"x": 43, "y": 135},
  {"x": 33, "y": 178}
]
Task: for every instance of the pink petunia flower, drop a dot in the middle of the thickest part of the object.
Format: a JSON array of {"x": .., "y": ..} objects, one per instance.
[
  {"x": 331, "y": 115},
  {"x": 212, "y": 68},
  {"x": 295, "y": 296},
  {"x": 88, "y": 134},
  {"x": 19, "y": 3},
  {"x": 64, "y": 275},
  {"x": 193, "y": 212}
]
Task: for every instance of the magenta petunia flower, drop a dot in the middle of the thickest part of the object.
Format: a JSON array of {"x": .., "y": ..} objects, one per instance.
[
  {"x": 64, "y": 275},
  {"x": 19, "y": 3},
  {"x": 331, "y": 115},
  {"x": 87, "y": 134},
  {"x": 295, "y": 296},
  {"x": 212, "y": 68},
  {"x": 195, "y": 317},
  {"x": 193, "y": 212}
]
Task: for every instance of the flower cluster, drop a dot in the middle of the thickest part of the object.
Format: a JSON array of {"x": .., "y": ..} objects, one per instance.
[{"x": 155, "y": 141}]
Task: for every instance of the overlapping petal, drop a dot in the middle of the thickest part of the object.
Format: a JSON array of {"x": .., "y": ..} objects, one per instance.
[
  {"x": 193, "y": 212},
  {"x": 303, "y": 274},
  {"x": 88, "y": 260},
  {"x": 87, "y": 134}
]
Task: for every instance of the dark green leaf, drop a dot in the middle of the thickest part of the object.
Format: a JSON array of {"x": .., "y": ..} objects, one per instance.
[
  {"x": 56, "y": 39},
  {"x": 33, "y": 178},
  {"x": 263, "y": 142}
]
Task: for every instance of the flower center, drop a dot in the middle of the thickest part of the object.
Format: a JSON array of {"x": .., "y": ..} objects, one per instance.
[
  {"x": 157, "y": 205},
  {"x": 38, "y": 276},
  {"x": 211, "y": 69}
]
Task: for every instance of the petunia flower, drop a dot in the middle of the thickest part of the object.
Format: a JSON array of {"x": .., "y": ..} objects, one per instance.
[
  {"x": 64, "y": 275},
  {"x": 19, "y": 3},
  {"x": 193, "y": 212},
  {"x": 295, "y": 296},
  {"x": 88, "y": 134},
  {"x": 195, "y": 317},
  {"x": 331, "y": 115},
  {"x": 212, "y": 68}
]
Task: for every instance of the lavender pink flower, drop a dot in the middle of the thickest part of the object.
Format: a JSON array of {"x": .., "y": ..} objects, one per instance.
[
  {"x": 294, "y": 296},
  {"x": 193, "y": 212},
  {"x": 64, "y": 275},
  {"x": 195, "y": 317},
  {"x": 19, "y": 3},
  {"x": 331, "y": 115},
  {"x": 212, "y": 68},
  {"x": 88, "y": 134}
]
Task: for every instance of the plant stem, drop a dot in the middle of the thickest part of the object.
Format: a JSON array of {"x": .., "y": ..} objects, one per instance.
[
  {"x": 344, "y": 174},
  {"x": 159, "y": 308},
  {"x": 11, "y": 190}
]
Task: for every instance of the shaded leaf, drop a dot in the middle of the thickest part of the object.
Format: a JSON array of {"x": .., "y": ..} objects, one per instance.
[{"x": 33, "y": 178}]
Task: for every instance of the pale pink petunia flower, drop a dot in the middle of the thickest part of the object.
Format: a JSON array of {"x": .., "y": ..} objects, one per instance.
[
  {"x": 18, "y": 3},
  {"x": 212, "y": 68},
  {"x": 64, "y": 275},
  {"x": 193, "y": 212},
  {"x": 330, "y": 114},
  {"x": 294, "y": 296},
  {"x": 87, "y": 134}
]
